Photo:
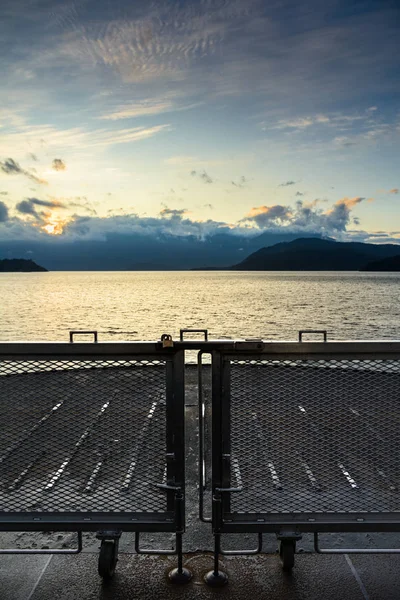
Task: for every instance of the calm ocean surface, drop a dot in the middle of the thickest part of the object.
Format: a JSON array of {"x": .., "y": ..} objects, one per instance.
[{"x": 143, "y": 305}]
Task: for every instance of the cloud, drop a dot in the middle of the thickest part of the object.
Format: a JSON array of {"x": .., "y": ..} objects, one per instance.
[
  {"x": 394, "y": 191},
  {"x": 74, "y": 202},
  {"x": 173, "y": 212},
  {"x": 287, "y": 183},
  {"x": 299, "y": 194},
  {"x": 349, "y": 202},
  {"x": 28, "y": 207},
  {"x": 143, "y": 109},
  {"x": 241, "y": 183},
  {"x": 58, "y": 165},
  {"x": 3, "y": 193},
  {"x": 11, "y": 167},
  {"x": 264, "y": 216},
  {"x": 33, "y": 156},
  {"x": 3, "y": 212},
  {"x": 146, "y": 108},
  {"x": 52, "y": 137},
  {"x": 306, "y": 216},
  {"x": 205, "y": 177},
  {"x": 344, "y": 141}
]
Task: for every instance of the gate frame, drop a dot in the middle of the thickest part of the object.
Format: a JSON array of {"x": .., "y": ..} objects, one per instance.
[
  {"x": 110, "y": 525},
  {"x": 288, "y": 527}
]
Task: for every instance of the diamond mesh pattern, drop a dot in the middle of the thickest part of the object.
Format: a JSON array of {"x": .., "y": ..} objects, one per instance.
[
  {"x": 82, "y": 436},
  {"x": 315, "y": 436}
]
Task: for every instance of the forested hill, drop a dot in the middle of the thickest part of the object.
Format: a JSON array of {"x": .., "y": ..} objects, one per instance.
[{"x": 19, "y": 265}]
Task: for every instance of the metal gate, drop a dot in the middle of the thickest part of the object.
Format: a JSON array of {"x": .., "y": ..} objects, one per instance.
[
  {"x": 92, "y": 439},
  {"x": 305, "y": 438}
]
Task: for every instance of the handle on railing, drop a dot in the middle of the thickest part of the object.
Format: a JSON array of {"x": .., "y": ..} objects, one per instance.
[
  {"x": 72, "y": 333},
  {"x": 321, "y": 331},
  {"x": 202, "y": 459},
  {"x": 205, "y": 331}
]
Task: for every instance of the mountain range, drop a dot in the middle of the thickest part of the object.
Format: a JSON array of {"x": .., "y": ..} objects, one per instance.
[
  {"x": 301, "y": 254},
  {"x": 311, "y": 254}
]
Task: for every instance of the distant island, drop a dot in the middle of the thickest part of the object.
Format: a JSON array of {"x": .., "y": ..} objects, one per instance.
[
  {"x": 316, "y": 254},
  {"x": 386, "y": 264},
  {"x": 19, "y": 265}
]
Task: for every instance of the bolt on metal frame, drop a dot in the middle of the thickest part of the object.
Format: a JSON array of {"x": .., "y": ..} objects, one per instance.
[
  {"x": 93, "y": 440},
  {"x": 304, "y": 439}
]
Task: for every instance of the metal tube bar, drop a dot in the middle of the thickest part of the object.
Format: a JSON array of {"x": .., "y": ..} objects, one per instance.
[
  {"x": 139, "y": 550},
  {"x": 202, "y": 462},
  {"x": 241, "y": 552}
]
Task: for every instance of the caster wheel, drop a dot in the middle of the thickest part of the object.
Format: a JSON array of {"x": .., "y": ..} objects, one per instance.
[
  {"x": 108, "y": 558},
  {"x": 286, "y": 552}
]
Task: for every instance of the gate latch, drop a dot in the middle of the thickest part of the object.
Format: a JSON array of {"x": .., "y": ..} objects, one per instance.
[{"x": 167, "y": 341}]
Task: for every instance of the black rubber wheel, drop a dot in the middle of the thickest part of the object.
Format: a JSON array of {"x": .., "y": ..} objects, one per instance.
[
  {"x": 108, "y": 558},
  {"x": 286, "y": 552}
]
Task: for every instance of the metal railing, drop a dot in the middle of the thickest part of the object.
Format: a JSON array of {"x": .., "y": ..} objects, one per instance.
[
  {"x": 304, "y": 438},
  {"x": 93, "y": 439},
  {"x": 294, "y": 437}
]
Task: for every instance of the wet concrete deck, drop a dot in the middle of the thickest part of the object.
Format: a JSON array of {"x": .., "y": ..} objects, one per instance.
[{"x": 313, "y": 578}]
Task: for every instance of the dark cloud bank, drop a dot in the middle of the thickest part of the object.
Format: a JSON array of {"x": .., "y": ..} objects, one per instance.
[{"x": 172, "y": 240}]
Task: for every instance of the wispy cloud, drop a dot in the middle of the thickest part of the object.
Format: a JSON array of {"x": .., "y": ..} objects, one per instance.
[
  {"x": 394, "y": 191},
  {"x": 147, "y": 108},
  {"x": 203, "y": 175},
  {"x": 287, "y": 183},
  {"x": 173, "y": 212},
  {"x": 143, "y": 109},
  {"x": 241, "y": 183},
  {"x": 11, "y": 167},
  {"x": 58, "y": 165},
  {"x": 76, "y": 137}
]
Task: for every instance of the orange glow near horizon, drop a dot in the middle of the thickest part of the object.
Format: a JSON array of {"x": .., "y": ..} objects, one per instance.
[{"x": 54, "y": 225}]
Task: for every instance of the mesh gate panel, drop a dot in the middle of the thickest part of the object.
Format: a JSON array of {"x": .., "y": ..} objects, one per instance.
[
  {"x": 80, "y": 435},
  {"x": 315, "y": 436}
]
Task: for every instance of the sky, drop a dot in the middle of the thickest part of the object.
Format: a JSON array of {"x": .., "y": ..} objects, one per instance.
[{"x": 196, "y": 117}]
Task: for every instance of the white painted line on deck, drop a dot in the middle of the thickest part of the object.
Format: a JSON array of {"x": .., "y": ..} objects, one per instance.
[
  {"x": 65, "y": 463},
  {"x": 274, "y": 475},
  {"x": 132, "y": 466},
  {"x": 26, "y": 435},
  {"x": 24, "y": 473},
  {"x": 309, "y": 472},
  {"x": 92, "y": 479},
  {"x": 347, "y": 475},
  {"x": 33, "y": 590},
  {"x": 236, "y": 470},
  {"x": 382, "y": 473},
  {"x": 366, "y": 424},
  {"x": 357, "y": 577}
]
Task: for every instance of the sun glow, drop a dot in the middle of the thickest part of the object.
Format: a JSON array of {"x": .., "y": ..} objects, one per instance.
[{"x": 55, "y": 225}]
